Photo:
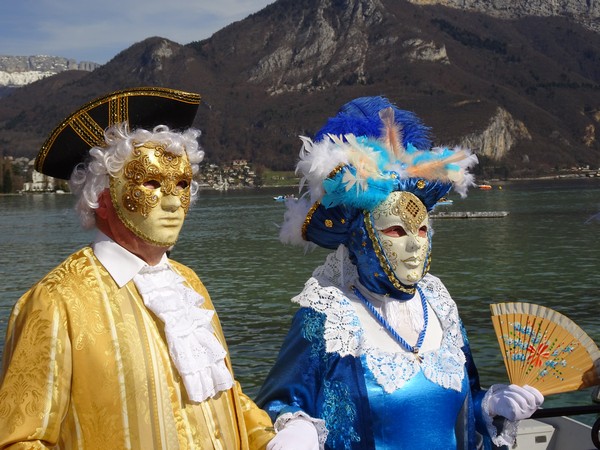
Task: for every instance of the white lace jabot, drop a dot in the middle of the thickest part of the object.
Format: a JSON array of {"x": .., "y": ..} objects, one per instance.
[{"x": 197, "y": 354}]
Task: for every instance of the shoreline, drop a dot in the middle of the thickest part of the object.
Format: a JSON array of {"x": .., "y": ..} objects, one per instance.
[{"x": 492, "y": 181}]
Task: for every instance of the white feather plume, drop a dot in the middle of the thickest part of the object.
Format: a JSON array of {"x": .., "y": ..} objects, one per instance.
[
  {"x": 466, "y": 179},
  {"x": 317, "y": 161},
  {"x": 293, "y": 220}
]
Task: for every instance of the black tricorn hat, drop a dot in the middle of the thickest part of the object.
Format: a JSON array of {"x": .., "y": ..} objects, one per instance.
[{"x": 143, "y": 107}]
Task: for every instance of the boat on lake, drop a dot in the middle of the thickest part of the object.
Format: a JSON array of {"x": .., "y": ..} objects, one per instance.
[
  {"x": 554, "y": 429},
  {"x": 485, "y": 187},
  {"x": 444, "y": 202},
  {"x": 468, "y": 214},
  {"x": 282, "y": 198}
]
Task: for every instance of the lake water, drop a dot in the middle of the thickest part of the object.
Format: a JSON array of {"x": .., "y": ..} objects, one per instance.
[{"x": 545, "y": 251}]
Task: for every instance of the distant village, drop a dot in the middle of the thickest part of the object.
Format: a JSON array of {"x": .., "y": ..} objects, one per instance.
[{"x": 17, "y": 175}]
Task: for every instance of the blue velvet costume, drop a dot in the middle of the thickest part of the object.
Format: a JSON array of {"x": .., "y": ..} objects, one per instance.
[
  {"x": 332, "y": 373},
  {"x": 359, "y": 391}
]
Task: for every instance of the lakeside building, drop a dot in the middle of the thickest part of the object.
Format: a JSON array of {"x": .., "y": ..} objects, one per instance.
[
  {"x": 237, "y": 174},
  {"x": 39, "y": 183}
]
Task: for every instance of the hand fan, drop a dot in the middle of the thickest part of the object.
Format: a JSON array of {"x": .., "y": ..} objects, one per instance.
[{"x": 545, "y": 349}]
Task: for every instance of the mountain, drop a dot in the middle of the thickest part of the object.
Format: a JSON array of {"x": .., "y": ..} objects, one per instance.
[
  {"x": 524, "y": 92},
  {"x": 16, "y": 71}
]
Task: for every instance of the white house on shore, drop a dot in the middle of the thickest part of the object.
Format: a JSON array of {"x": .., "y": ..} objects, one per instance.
[{"x": 39, "y": 183}]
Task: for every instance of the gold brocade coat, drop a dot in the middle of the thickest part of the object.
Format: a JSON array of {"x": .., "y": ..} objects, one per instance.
[{"x": 86, "y": 366}]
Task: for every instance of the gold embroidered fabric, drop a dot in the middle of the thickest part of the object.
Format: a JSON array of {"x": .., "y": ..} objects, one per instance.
[{"x": 86, "y": 366}]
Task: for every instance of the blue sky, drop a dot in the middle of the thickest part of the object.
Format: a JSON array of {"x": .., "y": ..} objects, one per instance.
[{"x": 96, "y": 30}]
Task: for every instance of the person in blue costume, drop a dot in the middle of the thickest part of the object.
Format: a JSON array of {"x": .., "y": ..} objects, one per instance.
[{"x": 377, "y": 356}]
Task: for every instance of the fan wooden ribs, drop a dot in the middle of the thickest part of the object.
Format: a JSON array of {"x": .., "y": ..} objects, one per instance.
[{"x": 544, "y": 349}]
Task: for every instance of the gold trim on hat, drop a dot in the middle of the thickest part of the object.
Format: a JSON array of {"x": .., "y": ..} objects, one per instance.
[
  {"x": 118, "y": 101},
  {"x": 337, "y": 170},
  {"x": 88, "y": 130},
  {"x": 308, "y": 219},
  {"x": 328, "y": 222},
  {"x": 118, "y": 110}
]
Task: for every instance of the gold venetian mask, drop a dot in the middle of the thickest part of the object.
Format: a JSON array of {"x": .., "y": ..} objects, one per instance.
[
  {"x": 152, "y": 193},
  {"x": 401, "y": 225}
]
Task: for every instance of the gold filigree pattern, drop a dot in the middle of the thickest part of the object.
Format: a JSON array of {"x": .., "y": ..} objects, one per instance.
[
  {"x": 410, "y": 210},
  {"x": 152, "y": 193},
  {"x": 168, "y": 172},
  {"x": 388, "y": 249},
  {"x": 381, "y": 257}
]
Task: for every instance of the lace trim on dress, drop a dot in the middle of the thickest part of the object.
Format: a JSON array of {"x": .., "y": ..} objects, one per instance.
[
  {"x": 510, "y": 428},
  {"x": 319, "y": 424},
  {"x": 327, "y": 292},
  {"x": 197, "y": 354}
]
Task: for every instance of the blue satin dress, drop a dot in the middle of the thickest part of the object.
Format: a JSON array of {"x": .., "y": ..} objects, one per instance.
[
  {"x": 420, "y": 415},
  {"x": 322, "y": 371}
]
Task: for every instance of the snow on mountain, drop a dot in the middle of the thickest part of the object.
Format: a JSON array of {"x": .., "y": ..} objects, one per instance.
[
  {"x": 16, "y": 71},
  {"x": 16, "y": 79}
]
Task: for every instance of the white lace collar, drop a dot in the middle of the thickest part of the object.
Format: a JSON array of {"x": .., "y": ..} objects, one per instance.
[
  {"x": 197, "y": 354},
  {"x": 327, "y": 291}
]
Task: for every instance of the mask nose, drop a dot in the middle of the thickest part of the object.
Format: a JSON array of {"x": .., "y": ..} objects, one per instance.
[
  {"x": 170, "y": 203},
  {"x": 412, "y": 245}
]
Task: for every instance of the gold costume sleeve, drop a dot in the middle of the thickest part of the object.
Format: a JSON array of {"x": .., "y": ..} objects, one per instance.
[
  {"x": 258, "y": 423},
  {"x": 35, "y": 383}
]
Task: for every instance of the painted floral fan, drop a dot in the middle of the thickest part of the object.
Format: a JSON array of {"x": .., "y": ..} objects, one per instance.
[{"x": 545, "y": 349}]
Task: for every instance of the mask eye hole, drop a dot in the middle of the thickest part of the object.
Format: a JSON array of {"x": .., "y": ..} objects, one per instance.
[
  {"x": 423, "y": 231},
  {"x": 395, "y": 231},
  {"x": 182, "y": 185},
  {"x": 152, "y": 184}
]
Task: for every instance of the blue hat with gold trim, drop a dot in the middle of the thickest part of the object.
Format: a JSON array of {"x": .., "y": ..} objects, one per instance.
[{"x": 368, "y": 150}]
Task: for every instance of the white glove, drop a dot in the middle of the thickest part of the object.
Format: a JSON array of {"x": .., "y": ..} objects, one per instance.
[
  {"x": 514, "y": 402},
  {"x": 297, "y": 434}
]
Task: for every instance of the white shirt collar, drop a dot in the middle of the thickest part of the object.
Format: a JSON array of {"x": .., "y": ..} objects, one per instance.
[{"x": 121, "y": 264}]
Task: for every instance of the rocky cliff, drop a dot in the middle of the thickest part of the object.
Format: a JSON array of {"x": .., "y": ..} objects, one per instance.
[
  {"x": 585, "y": 12},
  {"x": 499, "y": 136},
  {"x": 306, "y": 56}
]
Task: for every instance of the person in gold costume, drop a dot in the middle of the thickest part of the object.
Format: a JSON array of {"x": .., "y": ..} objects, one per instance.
[{"x": 119, "y": 347}]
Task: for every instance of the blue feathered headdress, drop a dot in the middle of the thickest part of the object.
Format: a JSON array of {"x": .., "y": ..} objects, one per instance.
[
  {"x": 360, "y": 117},
  {"x": 368, "y": 150}
]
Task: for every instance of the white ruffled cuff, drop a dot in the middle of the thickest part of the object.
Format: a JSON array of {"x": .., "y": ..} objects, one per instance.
[
  {"x": 319, "y": 424},
  {"x": 510, "y": 428}
]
